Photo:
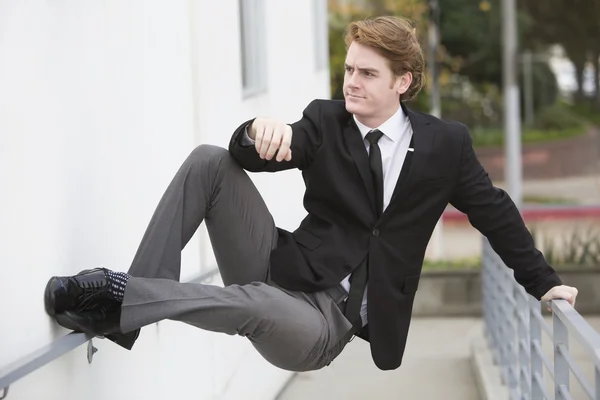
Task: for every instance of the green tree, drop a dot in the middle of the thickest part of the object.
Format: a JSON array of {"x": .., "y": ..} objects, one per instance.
[
  {"x": 573, "y": 24},
  {"x": 471, "y": 37}
]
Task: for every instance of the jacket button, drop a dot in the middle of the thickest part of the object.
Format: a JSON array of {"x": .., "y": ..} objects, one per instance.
[{"x": 375, "y": 232}]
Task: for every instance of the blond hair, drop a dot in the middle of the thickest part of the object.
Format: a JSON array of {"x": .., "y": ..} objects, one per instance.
[{"x": 395, "y": 39}]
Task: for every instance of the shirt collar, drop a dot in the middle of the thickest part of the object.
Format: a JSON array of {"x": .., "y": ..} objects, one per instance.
[{"x": 392, "y": 128}]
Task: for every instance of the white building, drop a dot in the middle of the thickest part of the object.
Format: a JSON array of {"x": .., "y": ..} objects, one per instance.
[
  {"x": 100, "y": 102},
  {"x": 566, "y": 76}
]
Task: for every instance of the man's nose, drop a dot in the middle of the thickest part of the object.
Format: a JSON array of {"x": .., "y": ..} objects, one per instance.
[{"x": 353, "y": 80}]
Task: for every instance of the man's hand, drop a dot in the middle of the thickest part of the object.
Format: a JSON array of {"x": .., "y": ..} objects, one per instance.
[
  {"x": 561, "y": 292},
  {"x": 271, "y": 136}
]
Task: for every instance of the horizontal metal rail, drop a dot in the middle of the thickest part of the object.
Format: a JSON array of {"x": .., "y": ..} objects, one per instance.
[{"x": 50, "y": 352}]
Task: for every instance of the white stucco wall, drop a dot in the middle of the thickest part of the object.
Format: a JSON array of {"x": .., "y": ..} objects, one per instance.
[{"x": 100, "y": 102}]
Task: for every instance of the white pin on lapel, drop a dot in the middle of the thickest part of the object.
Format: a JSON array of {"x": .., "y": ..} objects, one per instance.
[{"x": 411, "y": 149}]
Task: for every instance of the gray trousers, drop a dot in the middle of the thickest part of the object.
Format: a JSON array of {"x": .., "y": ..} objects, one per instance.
[{"x": 292, "y": 330}]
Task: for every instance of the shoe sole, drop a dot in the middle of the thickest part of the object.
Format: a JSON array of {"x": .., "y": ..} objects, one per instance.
[
  {"x": 68, "y": 321},
  {"x": 71, "y": 321}
]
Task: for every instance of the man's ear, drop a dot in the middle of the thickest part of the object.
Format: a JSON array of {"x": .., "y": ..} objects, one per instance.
[{"x": 403, "y": 83}]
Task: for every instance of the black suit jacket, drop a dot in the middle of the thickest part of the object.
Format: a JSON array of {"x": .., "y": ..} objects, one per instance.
[{"x": 342, "y": 227}]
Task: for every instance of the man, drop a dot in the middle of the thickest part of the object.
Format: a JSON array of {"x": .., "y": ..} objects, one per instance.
[{"x": 378, "y": 177}]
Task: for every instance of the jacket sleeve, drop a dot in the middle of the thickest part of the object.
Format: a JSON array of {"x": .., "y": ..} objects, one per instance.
[
  {"x": 306, "y": 140},
  {"x": 493, "y": 213}
]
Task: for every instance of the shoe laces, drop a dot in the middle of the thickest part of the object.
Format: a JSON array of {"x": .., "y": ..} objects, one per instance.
[{"x": 91, "y": 292}]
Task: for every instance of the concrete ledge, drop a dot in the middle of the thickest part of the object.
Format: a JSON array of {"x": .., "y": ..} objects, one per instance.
[
  {"x": 448, "y": 293},
  {"x": 487, "y": 374},
  {"x": 457, "y": 293}
]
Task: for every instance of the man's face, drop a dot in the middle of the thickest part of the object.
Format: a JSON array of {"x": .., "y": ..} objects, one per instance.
[{"x": 370, "y": 88}]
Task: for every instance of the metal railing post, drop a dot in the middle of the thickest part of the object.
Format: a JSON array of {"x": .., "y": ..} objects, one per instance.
[
  {"x": 491, "y": 303},
  {"x": 524, "y": 351},
  {"x": 510, "y": 335},
  {"x": 561, "y": 366},
  {"x": 486, "y": 304},
  {"x": 535, "y": 336},
  {"x": 502, "y": 323},
  {"x": 500, "y": 319},
  {"x": 597, "y": 378}
]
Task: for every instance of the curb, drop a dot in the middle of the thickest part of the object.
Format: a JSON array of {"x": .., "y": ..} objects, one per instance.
[{"x": 487, "y": 374}]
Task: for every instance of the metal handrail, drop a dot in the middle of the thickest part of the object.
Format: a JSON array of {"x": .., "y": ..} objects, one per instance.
[
  {"x": 511, "y": 317},
  {"x": 50, "y": 352}
]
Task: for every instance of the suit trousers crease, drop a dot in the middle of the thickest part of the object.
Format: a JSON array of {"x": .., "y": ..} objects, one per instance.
[{"x": 292, "y": 330}]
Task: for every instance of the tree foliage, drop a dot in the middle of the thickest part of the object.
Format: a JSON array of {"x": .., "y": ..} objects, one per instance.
[
  {"x": 572, "y": 24},
  {"x": 471, "y": 38},
  {"x": 470, "y": 52}
]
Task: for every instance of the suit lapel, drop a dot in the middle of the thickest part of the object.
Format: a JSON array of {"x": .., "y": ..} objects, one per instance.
[
  {"x": 360, "y": 157},
  {"x": 423, "y": 137}
]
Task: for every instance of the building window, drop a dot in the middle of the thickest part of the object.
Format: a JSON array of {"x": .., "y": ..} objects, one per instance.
[
  {"x": 253, "y": 47},
  {"x": 321, "y": 34}
]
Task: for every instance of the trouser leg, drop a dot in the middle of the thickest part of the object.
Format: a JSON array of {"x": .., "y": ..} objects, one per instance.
[
  {"x": 209, "y": 186},
  {"x": 291, "y": 330}
]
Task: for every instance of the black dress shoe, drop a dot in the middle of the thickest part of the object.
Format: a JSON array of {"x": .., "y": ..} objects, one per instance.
[
  {"x": 85, "y": 291},
  {"x": 101, "y": 321},
  {"x": 84, "y": 303}
]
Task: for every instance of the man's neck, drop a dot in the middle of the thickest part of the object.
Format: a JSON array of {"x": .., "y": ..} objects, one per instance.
[{"x": 377, "y": 120}]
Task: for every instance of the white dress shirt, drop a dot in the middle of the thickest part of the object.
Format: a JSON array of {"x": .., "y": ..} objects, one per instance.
[{"x": 397, "y": 133}]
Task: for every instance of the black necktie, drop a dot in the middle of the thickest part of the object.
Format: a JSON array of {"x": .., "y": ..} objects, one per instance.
[
  {"x": 376, "y": 166},
  {"x": 361, "y": 273}
]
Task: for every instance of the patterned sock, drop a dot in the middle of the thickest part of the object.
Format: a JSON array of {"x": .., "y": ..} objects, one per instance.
[{"x": 118, "y": 281}]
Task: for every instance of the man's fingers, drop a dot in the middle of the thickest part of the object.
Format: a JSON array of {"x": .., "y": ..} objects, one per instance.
[
  {"x": 260, "y": 131},
  {"x": 272, "y": 138},
  {"x": 275, "y": 143},
  {"x": 266, "y": 141},
  {"x": 567, "y": 295},
  {"x": 561, "y": 293},
  {"x": 286, "y": 142}
]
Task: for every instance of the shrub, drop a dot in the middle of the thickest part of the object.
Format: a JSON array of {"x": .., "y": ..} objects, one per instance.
[
  {"x": 556, "y": 117},
  {"x": 580, "y": 248}
]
